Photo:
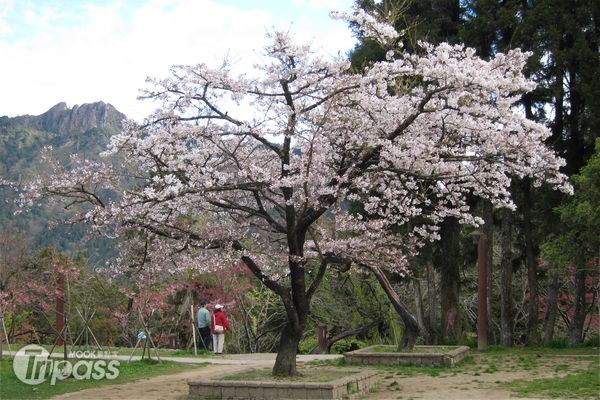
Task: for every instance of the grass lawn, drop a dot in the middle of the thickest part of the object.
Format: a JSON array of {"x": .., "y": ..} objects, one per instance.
[
  {"x": 12, "y": 388},
  {"x": 572, "y": 373},
  {"x": 580, "y": 385},
  {"x": 421, "y": 350},
  {"x": 319, "y": 375}
]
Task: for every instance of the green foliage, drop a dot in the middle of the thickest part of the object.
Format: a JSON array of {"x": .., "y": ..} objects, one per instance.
[
  {"x": 563, "y": 343},
  {"x": 306, "y": 345},
  {"x": 263, "y": 319},
  {"x": 105, "y": 330},
  {"x": 338, "y": 362},
  {"x": 20, "y": 148},
  {"x": 87, "y": 294},
  {"x": 349, "y": 300},
  {"x": 593, "y": 341},
  {"x": 559, "y": 343},
  {"x": 346, "y": 345},
  {"x": 579, "y": 242},
  {"x": 470, "y": 341}
]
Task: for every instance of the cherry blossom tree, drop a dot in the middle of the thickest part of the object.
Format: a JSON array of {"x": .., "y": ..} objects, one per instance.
[{"x": 263, "y": 167}]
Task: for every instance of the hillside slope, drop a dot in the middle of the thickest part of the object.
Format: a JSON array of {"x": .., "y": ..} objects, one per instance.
[{"x": 83, "y": 130}]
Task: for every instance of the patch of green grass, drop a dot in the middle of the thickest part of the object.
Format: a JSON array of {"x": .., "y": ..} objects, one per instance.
[
  {"x": 561, "y": 367},
  {"x": 491, "y": 369},
  {"x": 526, "y": 358},
  {"x": 184, "y": 353},
  {"x": 581, "y": 385},
  {"x": 352, "y": 387},
  {"x": 527, "y": 363},
  {"x": 409, "y": 370},
  {"x": 318, "y": 375},
  {"x": 494, "y": 360},
  {"x": 416, "y": 349},
  {"x": 12, "y": 388},
  {"x": 542, "y": 351},
  {"x": 338, "y": 362}
]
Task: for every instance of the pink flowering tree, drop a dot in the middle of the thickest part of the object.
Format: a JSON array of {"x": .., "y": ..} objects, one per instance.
[{"x": 262, "y": 167}]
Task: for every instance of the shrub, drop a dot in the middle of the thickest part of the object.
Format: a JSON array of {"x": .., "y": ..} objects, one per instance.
[
  {"x": 307, "y": 344},
  {"x": 471, "y": 342},
  {"x": 105, "y": 330},
  {"x": 559, "y": 343},
  {"x": 593, "y": 341},
  {"x": 345, "y": 345}
]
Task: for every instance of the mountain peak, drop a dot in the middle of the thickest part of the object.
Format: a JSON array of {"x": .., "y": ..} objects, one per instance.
[
  {"x": 80, "y": 118},
  {"x": 62, "y": 106}
]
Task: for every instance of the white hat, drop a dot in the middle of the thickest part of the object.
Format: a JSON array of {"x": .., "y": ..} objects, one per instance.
[{"x": 218, "y": 306}]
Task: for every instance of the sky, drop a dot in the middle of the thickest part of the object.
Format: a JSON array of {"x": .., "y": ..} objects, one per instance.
[{"x": 82, "y": 51}]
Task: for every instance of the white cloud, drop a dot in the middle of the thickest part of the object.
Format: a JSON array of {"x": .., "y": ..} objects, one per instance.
[
  {"x": 5, "y": 26},
  {"x": 108, "y": 55},
  {"x": 322, "y": 4}
]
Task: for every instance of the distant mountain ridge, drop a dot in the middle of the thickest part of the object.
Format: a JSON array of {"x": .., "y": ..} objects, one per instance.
[
  {"x": 79, "y": 118},
  {"x": 83, "y": 129}
]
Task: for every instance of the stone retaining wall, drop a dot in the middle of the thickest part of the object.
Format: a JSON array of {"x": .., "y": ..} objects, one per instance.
[
  {"x": 368, "y": 356},
  {"x": 357, "y": 382}
]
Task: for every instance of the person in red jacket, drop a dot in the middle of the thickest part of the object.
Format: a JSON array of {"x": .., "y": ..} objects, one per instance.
[{"x": 219, "y": 325}]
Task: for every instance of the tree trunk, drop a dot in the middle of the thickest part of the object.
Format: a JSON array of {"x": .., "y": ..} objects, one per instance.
[
  {"x": 420, "y": 309},
  {"x": 532, "y": 282},
  {"x": 431, "y": 317},
  {"x": 576, "y": 329},
  {"x": 411, "y": 326},
  {"x": 551, "y": 309},
  {"x": 447, "y": 260},
  {"x": 296, "y": 305},
  {"x": 408, "y": 340},
  {"x": 296, "y": 301},
  {"x": 506, "y": 305},
  {"x": 285, "y": 363},
  {"x": 488, "y": 230}
]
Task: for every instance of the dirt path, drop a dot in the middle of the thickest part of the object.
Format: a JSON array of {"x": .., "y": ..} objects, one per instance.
[
  {"x": 475, "y": 384},
  {"x": 458, "y": 387},
  {"x": 161, "y": 387},
  {"x": 174, "y": 387},
  {"x": 469, "y": 384}
]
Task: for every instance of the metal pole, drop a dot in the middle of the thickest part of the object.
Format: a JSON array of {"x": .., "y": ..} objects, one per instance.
[{"x": 482, "y": 317}]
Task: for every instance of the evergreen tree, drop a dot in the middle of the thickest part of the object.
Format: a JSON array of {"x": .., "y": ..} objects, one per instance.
[
  {"x": 563, "y": 37},
  {"x": 578, "y": 245}
]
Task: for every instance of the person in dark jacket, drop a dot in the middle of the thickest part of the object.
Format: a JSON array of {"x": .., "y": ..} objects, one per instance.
[{"x": 219, "y": 325}]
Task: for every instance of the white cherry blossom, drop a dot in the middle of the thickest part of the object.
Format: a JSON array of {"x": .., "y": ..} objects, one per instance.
[{"x": 302, "y": 163}]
